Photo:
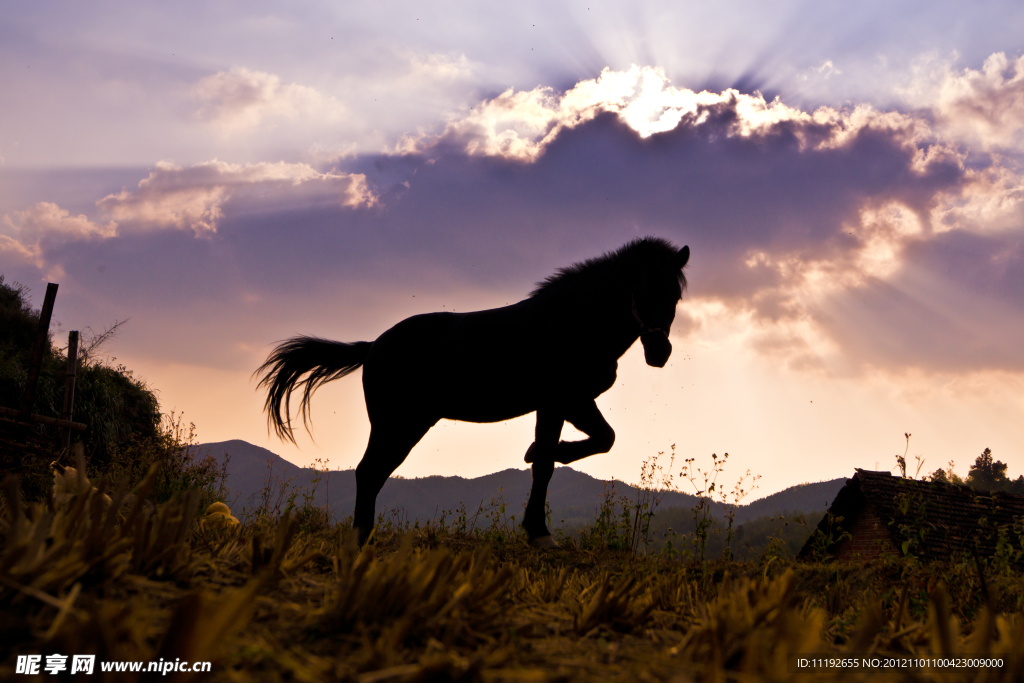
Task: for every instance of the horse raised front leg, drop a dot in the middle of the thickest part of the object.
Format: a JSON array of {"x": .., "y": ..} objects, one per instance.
[
  {"x": 541, "y": 453},
  {"x": 588, "y": 419}
]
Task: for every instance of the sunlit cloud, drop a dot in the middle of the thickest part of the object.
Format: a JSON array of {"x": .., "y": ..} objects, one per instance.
[
  {"x": 45, "y": 225},
  {"x": 981, "y": 107},
  {"x": 46, "y": 220},
  {"x": 14, "y": 251},
  {"x": 192, "y": 198},
  {"x": 990, "y": 200},
  {"x": 520, "y": 125},
  {"x": 788, "y": 319},
  {"x": 172, "y": 197},
  {"x": 241, "y": 100}
]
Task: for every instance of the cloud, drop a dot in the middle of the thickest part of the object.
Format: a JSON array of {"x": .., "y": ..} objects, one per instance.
[
  {"x": 954, "y": 306},
  {"x": 46, "y": 225},
  {"x": 241, "y": 100},
  {"x": 990, "y": 200},
  {"x": 981, "y": 107},
  {"x": 46, "y": 220},
  {"x": 173, "y": 198},
  {"x": 826, "y": 71},
  {"x": 193, "y": 198},
  {"x": 520, "y": 125},
  {"x": 13, "y": 249},
  {"x": 438, "y": 67}
]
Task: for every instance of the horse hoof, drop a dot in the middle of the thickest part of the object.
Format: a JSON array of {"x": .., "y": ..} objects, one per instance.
[
  {"x": 544, "y": 543},
  {"x": 529, "y": 452}
]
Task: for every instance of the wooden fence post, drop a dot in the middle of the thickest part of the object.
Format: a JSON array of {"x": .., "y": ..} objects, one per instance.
[
  {"x": 69, "y": 387},
  {"x": 42, "y": 334}
]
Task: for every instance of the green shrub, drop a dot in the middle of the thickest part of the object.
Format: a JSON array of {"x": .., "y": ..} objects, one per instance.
[{"x": 126, "y": 432}]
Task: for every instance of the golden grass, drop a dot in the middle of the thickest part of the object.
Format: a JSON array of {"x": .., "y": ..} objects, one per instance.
[{"x": 132, "y": 581}]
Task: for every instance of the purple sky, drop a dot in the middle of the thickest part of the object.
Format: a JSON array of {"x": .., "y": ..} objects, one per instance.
[{"x": 850, "y": 186}]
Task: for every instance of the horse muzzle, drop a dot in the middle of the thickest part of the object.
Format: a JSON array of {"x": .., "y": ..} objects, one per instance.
[{"x": 657, "y": 348}]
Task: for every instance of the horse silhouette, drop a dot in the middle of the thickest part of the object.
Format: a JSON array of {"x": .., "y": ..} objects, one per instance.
[{"x": 552, "y": 353}]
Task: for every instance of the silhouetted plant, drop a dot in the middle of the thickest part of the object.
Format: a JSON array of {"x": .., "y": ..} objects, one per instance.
[
  {"x": 901, "y": 460},
  {"x": 702, "y": 517},
  {"x": 947, "y": 476},
  {"x": 1009, "y": 549},
  {"x": 910, "y": 522},
  {"x": 271, "y": 500},
  {"x": 654, "y": 482},
  {"x": 823, "y": 542},
  {"x": 612, "y": 528},
  {"x": 310, "y": 516},
  {"x": 738, "y": 493},
  {"x": 180, "y": 465}
]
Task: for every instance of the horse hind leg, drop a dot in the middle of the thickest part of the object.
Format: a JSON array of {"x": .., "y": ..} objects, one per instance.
[
  {"x": 541, "y": 454},
  {"x": 387, "y": 449}
]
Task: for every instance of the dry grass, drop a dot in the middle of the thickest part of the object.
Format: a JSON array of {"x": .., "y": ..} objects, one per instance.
[{"x": 133, "y": 581}]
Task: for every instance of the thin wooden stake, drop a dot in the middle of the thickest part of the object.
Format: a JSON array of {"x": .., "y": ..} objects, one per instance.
[
  {"x": 42, "y": 334},
  {"x": 69, "y": 387}
]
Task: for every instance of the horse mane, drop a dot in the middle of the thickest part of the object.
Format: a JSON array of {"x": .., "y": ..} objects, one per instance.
[{"x": 611, "y": 267}]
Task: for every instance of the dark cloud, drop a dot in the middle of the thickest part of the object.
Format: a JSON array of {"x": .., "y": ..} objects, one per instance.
[{"x": 599, "y": 183}]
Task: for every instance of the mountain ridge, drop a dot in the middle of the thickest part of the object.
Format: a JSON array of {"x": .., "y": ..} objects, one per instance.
[{"x": 574, "y": 497}]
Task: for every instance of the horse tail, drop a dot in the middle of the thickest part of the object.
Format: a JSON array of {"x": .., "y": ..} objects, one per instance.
[{"x": 322, "y": 359}]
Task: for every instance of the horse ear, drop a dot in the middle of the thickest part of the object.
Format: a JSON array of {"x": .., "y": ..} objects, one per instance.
[{"x": 683, "y": 256}]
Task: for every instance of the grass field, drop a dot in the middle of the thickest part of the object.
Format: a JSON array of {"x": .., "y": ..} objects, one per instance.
[{"x": 292, "y": 598}]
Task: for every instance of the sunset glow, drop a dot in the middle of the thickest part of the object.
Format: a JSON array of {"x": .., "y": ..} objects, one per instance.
[{"x": 853, "y": 200}]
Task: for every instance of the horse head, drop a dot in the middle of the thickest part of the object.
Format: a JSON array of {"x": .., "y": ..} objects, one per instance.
[{"x": 654, "y": 300}]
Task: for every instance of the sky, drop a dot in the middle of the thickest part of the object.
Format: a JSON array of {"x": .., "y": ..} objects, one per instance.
[{"x": 849, "y": 179}]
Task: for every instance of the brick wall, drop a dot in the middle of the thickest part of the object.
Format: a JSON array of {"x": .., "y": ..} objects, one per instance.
[{"x": 871, "y": 537}]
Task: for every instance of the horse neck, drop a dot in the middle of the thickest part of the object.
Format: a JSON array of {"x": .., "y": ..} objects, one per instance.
[{"x": 604, "y": 318}]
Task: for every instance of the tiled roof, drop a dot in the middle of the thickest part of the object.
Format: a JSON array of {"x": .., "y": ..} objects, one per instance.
[{"x": 957, "y": 519}]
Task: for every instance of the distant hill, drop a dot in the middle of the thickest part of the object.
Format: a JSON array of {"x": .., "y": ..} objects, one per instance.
[
  {"x": 806, "y": 498},
  {"x": 574, "y": 497}
]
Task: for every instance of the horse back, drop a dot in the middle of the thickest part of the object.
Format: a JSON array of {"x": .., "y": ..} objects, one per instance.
[{"x": 484, "y": 366}]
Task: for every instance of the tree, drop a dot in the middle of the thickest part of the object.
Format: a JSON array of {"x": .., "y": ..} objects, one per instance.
[
  {"x": 946, "y": 476},
  {"x": 1017, "y": 485},
  {"x": 989, "y": 474}
]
